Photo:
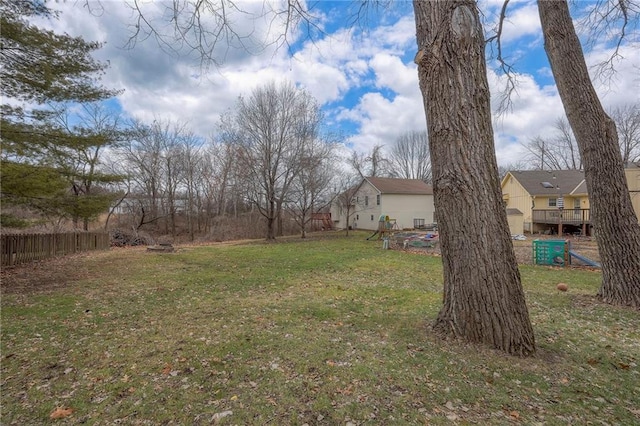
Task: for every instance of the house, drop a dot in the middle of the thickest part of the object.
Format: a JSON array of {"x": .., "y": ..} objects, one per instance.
[
  {"x": 407, "y": 202},
  {"x": 632, "y": 173},
  {"x": 550, "y": 200}
]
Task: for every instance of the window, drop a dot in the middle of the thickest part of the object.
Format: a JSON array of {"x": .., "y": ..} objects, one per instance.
[
  {"x": 357, "y": 217},
  {"x": 378, "y": 200},
  {"x": 553, "y": 202},
  {"x": 366, "y": 200},
  {"x": 576, "y": 203},
  {"x": 372, "y": 217}
]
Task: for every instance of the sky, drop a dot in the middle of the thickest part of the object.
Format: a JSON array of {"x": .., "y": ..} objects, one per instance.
[{"x": 358, "y": 67}]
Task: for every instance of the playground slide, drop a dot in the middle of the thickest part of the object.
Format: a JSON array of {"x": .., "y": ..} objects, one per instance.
[
  {"x": 372, "y": 235},
  {"x": 584, "y": 260}
]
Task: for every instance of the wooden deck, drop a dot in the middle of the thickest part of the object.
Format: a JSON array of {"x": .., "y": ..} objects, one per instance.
[{"x": 566, "y": 216}]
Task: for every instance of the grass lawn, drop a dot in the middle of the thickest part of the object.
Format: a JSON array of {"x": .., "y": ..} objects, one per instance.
[{"x": 328, "y": 331}]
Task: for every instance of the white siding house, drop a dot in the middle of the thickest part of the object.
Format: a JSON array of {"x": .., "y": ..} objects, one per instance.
[{"x": 407, "y": 201}]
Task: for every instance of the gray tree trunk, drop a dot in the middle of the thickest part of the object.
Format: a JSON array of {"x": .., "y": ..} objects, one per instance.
[
  {"x": 616, "y": 225},
  {"x": 483, "y": 296}
]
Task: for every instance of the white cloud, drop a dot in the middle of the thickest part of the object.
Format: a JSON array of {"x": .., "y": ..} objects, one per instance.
[
  {"x": 393, "y": 74},
  {"x": 521, "y": 20},
  {"x": 532, "y": 113},
  {"x": 333, "y": 67},
  {"x": 399, "y": 36},
  {"x": 383, "y": 120}
]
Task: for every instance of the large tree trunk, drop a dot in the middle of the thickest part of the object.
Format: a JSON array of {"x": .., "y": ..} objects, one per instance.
[
  {"x": 483, "y": 296},
  {"x": 616, "y": 225}
]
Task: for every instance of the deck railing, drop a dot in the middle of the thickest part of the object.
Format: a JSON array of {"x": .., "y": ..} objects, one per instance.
[{"x": 566, "y": 216}]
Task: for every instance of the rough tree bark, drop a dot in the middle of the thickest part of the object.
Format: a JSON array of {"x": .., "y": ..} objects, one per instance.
[
  {"x": 616, "y": 225},
  {"x": 483, "y": 296}
]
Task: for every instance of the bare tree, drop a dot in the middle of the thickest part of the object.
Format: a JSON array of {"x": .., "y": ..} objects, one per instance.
[
  {"x": 372, "y": 163},
  {"x": 627, "y": 119},
  {"x": 311, "y": 189},
  {"x": 122, "y": 188},
  {"x": 191, "y": 160},
  {"x": 221, "y": 189},
  {"x": 559, "y": 152},
  {"x": 227, "y": 180},
  {"x": 358, "y": 161},
  {"x": 616, "y": 225},
  {"x": 170, "y": 137},
  {"x": 154, "y": 157},
  {"x": 379, "y": 164},
  {"x": 272, "y": 128},
  {"x": 142, "y": 156},
  {"x": 346, "y": 184},
  {"x": 483, "y": 296},
  {"x": 410, "y": 158}
]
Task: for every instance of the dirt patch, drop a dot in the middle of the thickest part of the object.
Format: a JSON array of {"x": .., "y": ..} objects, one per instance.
[{"x": 43, "y": 276}]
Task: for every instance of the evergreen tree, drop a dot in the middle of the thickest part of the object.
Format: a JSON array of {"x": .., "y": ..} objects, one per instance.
[{"x": 43, "y": 68}]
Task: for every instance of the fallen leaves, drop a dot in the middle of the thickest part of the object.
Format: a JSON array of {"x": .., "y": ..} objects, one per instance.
[{"x": 61, "y": 413}]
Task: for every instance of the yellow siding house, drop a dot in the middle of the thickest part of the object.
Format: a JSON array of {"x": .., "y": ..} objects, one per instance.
[{"x": 554, "y": 200}]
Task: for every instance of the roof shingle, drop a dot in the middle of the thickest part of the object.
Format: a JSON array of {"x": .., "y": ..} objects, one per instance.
[
  {"x": 400, "y": 186},
  {"x": 562, "y": 181}
]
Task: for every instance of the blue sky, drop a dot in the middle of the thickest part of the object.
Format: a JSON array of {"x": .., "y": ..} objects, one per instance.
[{"x": 363, "y": 75}]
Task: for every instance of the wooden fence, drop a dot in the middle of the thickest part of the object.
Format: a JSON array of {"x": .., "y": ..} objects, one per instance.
[{"x": 23, "y": 248}]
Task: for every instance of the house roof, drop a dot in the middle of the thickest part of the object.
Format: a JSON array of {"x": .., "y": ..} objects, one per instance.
[
  {"x": 400, "y": 186},
  {"x": 514, "y": 212},
  {"x": 551, "y": 182}
]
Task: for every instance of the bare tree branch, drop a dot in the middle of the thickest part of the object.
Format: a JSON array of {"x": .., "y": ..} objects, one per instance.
[
  {"x": 210, "y": 29},
  {"x": 610, "y": 21},
  {"x": 511, "y": 84}
]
